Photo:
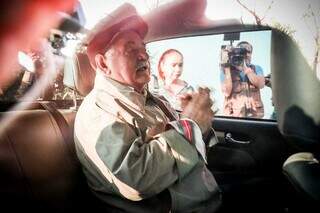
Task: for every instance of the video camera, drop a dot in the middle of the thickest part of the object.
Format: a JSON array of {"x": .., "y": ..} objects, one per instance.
[{"x": 229, "y": 55}]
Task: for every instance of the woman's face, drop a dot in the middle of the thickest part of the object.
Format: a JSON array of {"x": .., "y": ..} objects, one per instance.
[{"x": 172, "y": 66}]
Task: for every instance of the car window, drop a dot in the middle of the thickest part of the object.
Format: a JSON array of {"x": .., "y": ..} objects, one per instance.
[
  {"x": 46, "y": 67},
  {"x": 204, "y": 59}
]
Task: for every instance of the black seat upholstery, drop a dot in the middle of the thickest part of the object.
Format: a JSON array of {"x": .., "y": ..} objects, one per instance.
[{"x": 303, "y": 171}]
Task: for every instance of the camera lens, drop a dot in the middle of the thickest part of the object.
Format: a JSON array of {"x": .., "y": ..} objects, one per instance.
[
  {"x": 237, "y": 60},
  {"x": 237, "y": 56}
]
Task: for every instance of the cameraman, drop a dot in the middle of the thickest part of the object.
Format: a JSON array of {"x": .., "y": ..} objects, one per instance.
[{"x": 241, "y": 86}]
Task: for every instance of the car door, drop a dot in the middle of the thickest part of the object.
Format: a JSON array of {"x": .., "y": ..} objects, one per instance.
[{"x": 250, "y": 150}]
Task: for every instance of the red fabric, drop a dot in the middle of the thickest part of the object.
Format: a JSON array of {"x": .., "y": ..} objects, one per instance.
[
  {"x": 187, "y": 129},
  {"x": 22, "y": 23}
]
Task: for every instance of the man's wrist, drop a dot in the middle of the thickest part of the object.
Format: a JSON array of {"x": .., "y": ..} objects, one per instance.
[
  {"x": 248, "y": 71},
  {"x": 227, "y": 74}
]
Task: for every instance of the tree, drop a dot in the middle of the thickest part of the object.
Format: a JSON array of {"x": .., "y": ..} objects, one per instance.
[
  {"x": 286, "y": 28},
  {"x": 311, "y": 19},
  {"x": 258, "y": 19}
]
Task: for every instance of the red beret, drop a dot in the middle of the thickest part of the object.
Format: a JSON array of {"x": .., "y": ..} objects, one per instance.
[{"x": 123, "y": 19}]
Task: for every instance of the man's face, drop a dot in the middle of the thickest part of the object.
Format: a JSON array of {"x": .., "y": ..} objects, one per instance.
[
  {"x": 128, "y": 60},
  {"x": 248, "y": 57},
  {"x": 249, "y": 52}
]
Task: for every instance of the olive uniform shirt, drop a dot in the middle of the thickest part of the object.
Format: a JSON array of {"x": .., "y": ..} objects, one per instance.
[{"x": 124, "y": 165}]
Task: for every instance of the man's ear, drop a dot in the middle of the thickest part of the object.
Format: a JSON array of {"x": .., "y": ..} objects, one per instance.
[{"x": 101, "y": 63}]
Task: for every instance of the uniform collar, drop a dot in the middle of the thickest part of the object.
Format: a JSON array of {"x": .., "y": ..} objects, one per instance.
[{"x": 120, "y": 91}]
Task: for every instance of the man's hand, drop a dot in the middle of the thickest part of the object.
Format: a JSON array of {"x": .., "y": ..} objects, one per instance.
[
  {"x": 246, "y": 69},
  {"x": 157, "y": 129},
  {"x": 226, "y": 85},
  {"x": 198, "y": 108},
  {"x": 184, "y": 100},
  {"x": 255, "y": 80}
]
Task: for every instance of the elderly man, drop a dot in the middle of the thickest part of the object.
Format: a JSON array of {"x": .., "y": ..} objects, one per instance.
[{"x": 137, "y": 154}]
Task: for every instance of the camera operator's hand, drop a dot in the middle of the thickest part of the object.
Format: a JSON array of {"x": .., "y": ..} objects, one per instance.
[
  {"x": 246, "y": 69},
  {"x": 255, "y": 80},
  {"x": 267, "y": 80},
  {"x": 227, "y": 83},
  {"x": 199, "y": 110},
  {"x": 227, "y": 70}
]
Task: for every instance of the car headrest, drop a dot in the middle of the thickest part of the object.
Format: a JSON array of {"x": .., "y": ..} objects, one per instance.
[
  {"x": 296, "y": 93},
  {"x": 84, "y": 74}
]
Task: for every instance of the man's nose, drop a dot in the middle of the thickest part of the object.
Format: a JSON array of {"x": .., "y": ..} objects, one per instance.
[{"x": 143, "y": 55}]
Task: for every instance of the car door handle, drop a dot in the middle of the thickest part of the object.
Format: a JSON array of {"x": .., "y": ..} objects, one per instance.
[{"x": 229, "y": 138}]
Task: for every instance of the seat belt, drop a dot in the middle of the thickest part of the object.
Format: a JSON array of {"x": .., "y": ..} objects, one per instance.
[{"x": 62, "y": 124}]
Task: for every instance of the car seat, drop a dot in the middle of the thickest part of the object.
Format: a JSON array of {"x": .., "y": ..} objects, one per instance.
[{"x": 296, "y": 93}]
